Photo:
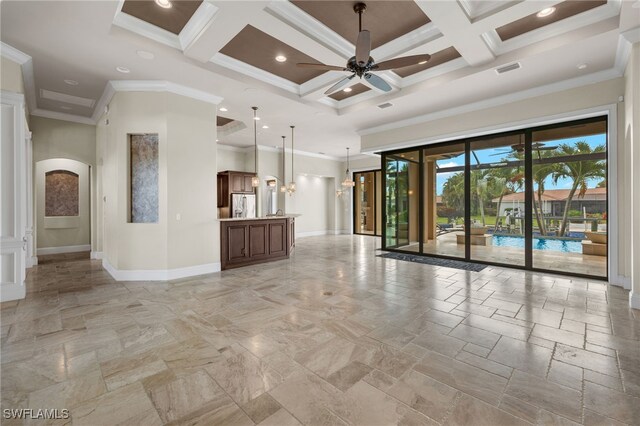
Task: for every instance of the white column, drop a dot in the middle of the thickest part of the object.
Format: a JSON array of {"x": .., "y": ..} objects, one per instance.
[{"x": 632, "y": 124}]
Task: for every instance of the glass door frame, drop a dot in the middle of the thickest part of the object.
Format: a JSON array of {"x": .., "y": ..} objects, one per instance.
[
  {"x": 528, "y": 194},
  {"x": 375, "y": 202}
]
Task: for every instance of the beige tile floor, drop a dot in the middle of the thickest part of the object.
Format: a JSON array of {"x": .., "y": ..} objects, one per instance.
[{"x": 335, "y": 335}]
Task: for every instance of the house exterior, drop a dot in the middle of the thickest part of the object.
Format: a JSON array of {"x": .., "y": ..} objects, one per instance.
[{"x": 593, "y": 201}]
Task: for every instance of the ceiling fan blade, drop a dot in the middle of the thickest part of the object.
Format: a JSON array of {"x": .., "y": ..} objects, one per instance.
[
  {"x": 321, "y": 67},
  {"x": 405, "y": 61},
  {"x": 545, "y": 148},
  {"x": 339, "y": 84},
  {"x": 377, "y": 82},
  {"x": 363, "y": 47}
]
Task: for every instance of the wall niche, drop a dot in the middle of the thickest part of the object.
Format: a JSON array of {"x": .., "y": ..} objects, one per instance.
[{"x": 61, "y": 193}]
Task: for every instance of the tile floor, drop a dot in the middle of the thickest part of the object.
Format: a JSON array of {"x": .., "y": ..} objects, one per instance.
[{"x": 334, "y": 335}]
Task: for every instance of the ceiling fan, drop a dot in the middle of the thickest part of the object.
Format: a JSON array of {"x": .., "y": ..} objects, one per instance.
[
  {"x": 519, "y": 148},
  {"x": 362, "y": 64}
]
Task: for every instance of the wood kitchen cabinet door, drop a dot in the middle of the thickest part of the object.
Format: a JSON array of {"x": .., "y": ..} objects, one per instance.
[
  {"x": 246, "y": 183},
  {"x": 237, "y": 243},
  {"x": 258, "y": 241},
  {"x": 236, "y": 182},
  {"x": 278, "y": 238}
]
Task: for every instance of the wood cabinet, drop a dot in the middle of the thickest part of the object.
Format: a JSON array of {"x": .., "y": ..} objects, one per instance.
[
  {"x": 230, "y": 182},
  {"x": 251, "y": 241}
]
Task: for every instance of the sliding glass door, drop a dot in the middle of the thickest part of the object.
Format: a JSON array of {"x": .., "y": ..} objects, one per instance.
[
  {"x": 497, "y": 213},
  {"x": 534, "y": 198},
  {"x": 402, "y": 201},
  {"x": 569, "y": 199},
  {"x": 367, "y": 201},
  {"x": 444, "y": 200}
]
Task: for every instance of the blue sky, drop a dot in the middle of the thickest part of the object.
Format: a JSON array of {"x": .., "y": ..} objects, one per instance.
[{"x": 486, "y": 156}]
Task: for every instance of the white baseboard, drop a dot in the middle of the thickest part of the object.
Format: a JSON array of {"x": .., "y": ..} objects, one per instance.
[
  {"x": 9, "y": 292},
  {"x": 63, "y": 249},
  {"x": 160, "y": 274},
  {"x": 318, "y": 233},
  {"x": 634, "y": 300},
  {"x": 96, "y": 255},
  {"x": 621, "y": 281}
]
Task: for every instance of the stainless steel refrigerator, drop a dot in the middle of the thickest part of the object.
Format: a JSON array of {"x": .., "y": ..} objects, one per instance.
[{"x": 243, "y": 205}]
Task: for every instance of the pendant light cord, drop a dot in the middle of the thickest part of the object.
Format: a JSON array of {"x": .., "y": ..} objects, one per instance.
[
  {"x": 255, "y": 140},
  {"x": 293, "y": 177},
  {"x": 284, "y": 167}
]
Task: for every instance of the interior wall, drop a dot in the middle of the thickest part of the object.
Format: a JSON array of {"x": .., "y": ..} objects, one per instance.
[
  {"x": 56, "y": 139},
  {"x": 230, "y": 158},
  {"x": 314, "y": 200},
  {"x": 194, "y": 232},
  {"x": 187, "y": 232},
  {"x": 63, "y": 231},
  {"x": 11, "y": 76},
  {"x": 631, "y": 152}
]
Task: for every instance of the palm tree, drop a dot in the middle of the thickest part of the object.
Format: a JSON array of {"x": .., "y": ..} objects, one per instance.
[
  {"x": 453, "y": 192},
  {"x": 579, "y": 171},
  {"x": 509, "y": 180}
]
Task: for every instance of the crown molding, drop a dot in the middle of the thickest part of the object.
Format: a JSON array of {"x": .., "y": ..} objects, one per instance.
[
  {"x": 28, "y": 78},
  {"x": 583, "y": 80},
  {"x": 307, "y": 24},
  {"x": 163, "y": 86},
  {"x": 63, "y": 116},
  {"x": 13, "y": 54},
  {"x": 198, "y": 23},
  {"x": 105, "y": 98},
  {"x": 584, "y": 19},
  {"x": 254, "y": 72},
  {"x": 145, "y": 29}
]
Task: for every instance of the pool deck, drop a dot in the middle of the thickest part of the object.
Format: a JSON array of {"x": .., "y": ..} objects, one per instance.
[{"x": 544, "y": 259}]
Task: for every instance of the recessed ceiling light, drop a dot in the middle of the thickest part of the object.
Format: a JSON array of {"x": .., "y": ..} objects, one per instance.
[
  {"x": 223, "y": 109},
  {"x": 145, "y": 55},
  {"x": 347, "y": 89},
  {"x": 71, "y": 82},
  {"x": 217, "y": 140},
  {"x": 123, "y": 70},
  {"x": 422, "y": 62},
  {"x": 582, "y": 66},
  {"x": 166, "y": 4},
  {"x": 546, "y": 12},
  {"x": 281, "y": 58},
  {"x": 265, "y": 127}
]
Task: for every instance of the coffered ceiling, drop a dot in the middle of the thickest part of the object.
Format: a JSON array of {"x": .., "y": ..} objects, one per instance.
[
  {"x": 172, "y": 19},
  {"x": 228, "y": 49}
]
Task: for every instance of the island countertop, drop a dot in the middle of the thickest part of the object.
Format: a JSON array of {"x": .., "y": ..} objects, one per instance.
[{"x": 286, "y": 216}]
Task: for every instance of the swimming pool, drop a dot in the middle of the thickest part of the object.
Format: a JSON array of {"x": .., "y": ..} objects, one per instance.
[{"x": 566, "y": 246}]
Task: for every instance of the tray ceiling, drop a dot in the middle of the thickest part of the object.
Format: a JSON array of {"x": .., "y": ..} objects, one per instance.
[{"x": 173, "y": 19}]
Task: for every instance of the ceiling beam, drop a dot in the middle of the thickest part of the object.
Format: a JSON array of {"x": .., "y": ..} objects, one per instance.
[{"x": 453, "y": 22}]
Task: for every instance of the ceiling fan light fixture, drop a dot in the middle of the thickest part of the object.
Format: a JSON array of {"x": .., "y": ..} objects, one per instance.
[
  {"x": 165, "y": 4},
  {"x": 546, "y": 12}
]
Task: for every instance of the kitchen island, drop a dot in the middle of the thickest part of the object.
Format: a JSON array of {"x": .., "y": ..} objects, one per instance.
[{"x": 250, "y": 241}]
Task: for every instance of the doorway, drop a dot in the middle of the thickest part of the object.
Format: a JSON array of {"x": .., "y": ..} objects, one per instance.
[{"x": 367, "y": 203}]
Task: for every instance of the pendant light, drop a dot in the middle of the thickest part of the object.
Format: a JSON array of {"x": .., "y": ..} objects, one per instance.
[
  {"x": 283, "y": 188},
  {"x": 348, "y": 182},
  {"x": 255, "y": 180},
  {"x": 292, "y": 185}
]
